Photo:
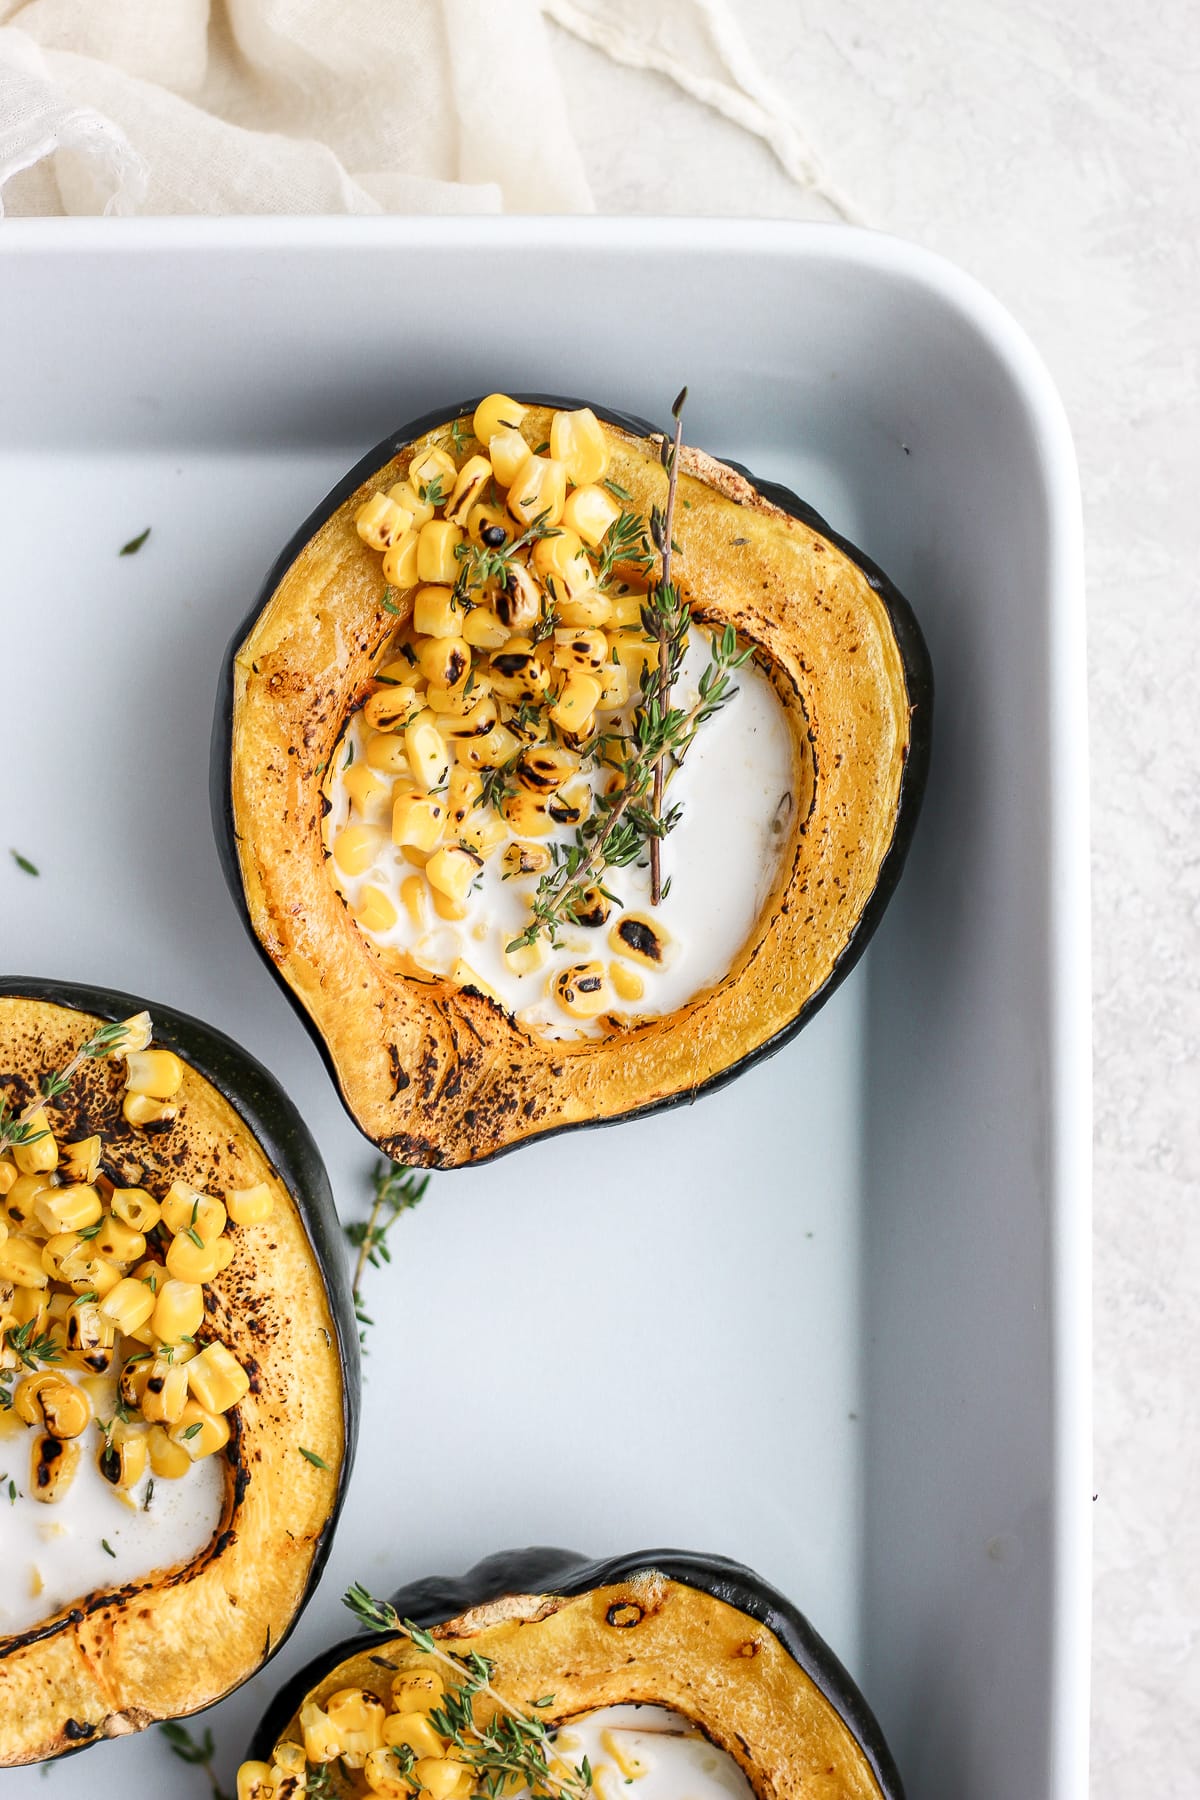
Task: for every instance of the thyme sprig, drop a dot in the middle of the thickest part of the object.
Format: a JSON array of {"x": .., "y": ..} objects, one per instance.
[
  {"x": 396, "y": 1190},
  {"x": 482, "y": 563},
  {"x": 624, "y": 542},
  {"x": 199, "y": 1753},
  {"x": 511, "y": 1744},
  {"x": 110, "y": 1040},
  {"x": 668, "y": 617}
]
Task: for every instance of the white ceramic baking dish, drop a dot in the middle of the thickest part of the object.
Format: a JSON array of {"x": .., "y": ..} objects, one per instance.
[{"x": 832, "y": 1321}]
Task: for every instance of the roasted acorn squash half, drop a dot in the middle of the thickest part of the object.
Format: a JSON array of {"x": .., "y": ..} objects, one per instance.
[
  {"x": 699, "y": 1635},
  {"x": 439, "y": 1074},
  {"x": 167, "y": 1642}
]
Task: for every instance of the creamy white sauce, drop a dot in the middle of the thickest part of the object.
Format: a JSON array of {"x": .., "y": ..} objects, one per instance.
[
  {"x": 52, "y": 1552},
  {"x": 665, "y": 1756},
  {"x": 736, "y": 790}
]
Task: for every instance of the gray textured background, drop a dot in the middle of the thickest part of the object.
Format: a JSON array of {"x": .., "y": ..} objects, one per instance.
[{"x": 1051, "y": 151}]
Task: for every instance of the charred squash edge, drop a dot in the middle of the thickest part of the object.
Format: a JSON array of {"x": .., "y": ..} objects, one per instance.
[
  {"x": 272, "y": 1118},
  {"x": 918, "y": 677},
  {"x": 437, "y": 1599}
]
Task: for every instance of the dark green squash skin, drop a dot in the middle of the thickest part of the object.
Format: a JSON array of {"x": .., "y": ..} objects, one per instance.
[
  {"x": 918, "y": 675},
  {"x": 275, "y": 1122},
  {"x": 543, "y": 1570}
]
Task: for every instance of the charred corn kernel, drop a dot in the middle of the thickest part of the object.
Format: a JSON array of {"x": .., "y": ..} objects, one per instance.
[
  {"x": 412, "y": 1728},
  {"x": 22, "y": 1196},
  {"x": 321, "y": 1742},
  {"x": 3, "y": 1228},
  {"x": 538, "y": 490},
  {"x": 463, "y": 975},
  {"x": 484, "y": 629},
  {"x": 571, "y": 803},
  {"x": 436, "y": 547},
  {"x": 417, "y": 820},
  {"x": 374, "y": 911},
  {"x": 52, "y": 1467},
  {"x": 358, "y": 1718},
  {"x": 56, "y": 1249},
  {"x": 71, "y": 1208},
  {"x": 169, "y": 1460},
  {"x": 381, "y": 1772},
  {"x": 135, "y": 1208},
  {"x": 545, "y": 768},
  {"x": 250, "y": 1206},
  {"x": 27, "y": 1394},
  {"x": 118, "y": 1243},
  {"x": 627, "y": 983},
  {"x": 582, "y": 990},
  {"x": 427, "y": 753},
  {"x": 490, "y": 527},
  {"x": 379, "y": 521},
  {"x": 165, "y": 1392},
  {"x": 446, "y": 907},
  {"x": 200, "y": 1432},
  {"x": 634, "y": 651},
  {"x": 387, "y": 753},
  {"x": 438, "y": 1776},
  {"x": 123, "y": 1455},
  {"x": 21, "y": 1263},
  {"x": 590, "y": 609},
  {"x": 39, "y": 1153},
  {"x": 401, "y": 562},
  {"x": 484, "y": 834},
  {"x": 140, "y": 1109},
  {"x": 498, "y": 412},
  {"x": 406, "y": 495},
  {"x": 518, "y": 603},
  {"x": 577, "y": 440},
  {"x": 83, "y": 1271},
  {"x": 179, "y": 1309},
  {"x": 479, "y": 717},
  {"x": 89, "y": 1336},
  {"x": 8, "y": 1175},
  {"x": 135, "y": 1034},
  {"x": 26, "y": 1305},
  {"x": 576, "y": 703},
  {"x": 81, "y": 1160},
  {"x": 389, "y": 708},
  {"x": 433, "y": 471},
  {"x": 217, "y": 1379},
  {"x": 185, "y": 1208},
  {"x": 414, "y": 897},
  {"x": 466, "y": 787},
  {"x": 189, "y": 1261},
  {"x": 436, "y": 613},
  {"x": 158, "y": 1073},
  {"x": 444, "y": 661},
  {"x": 642, "y": 939},
  {"x": 65, "y": 1409},
  {"x": 592, "y": 908},
  {"x": 452, "y": 871},
  {"x": 364, "y": 786},
  {"x": 508, "y": 453},
  {"x": 525, "y": 959},
  {"x": 576, "y": 648},
  {"x": 590, "y": 511},
  {"x": 415, "y": 1691},
  {"x": 525, "y": 859},
  {"x": 356, "y": 847},
  {"x": 468, "y": 488},
  {"x": 525, "y": 814},
  {"x": 516, "y": 673},
  {"x": 253, "y": 1778},
  {"x": 614, "y": 691},
  {"x": 128, "y": 1305},
  {"x": 626, "y": 609}
]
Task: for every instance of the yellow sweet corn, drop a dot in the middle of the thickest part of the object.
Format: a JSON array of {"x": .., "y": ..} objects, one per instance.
[
  {"x": 158, "y": 1073},
  {"x": 538, "y": 490},
  {"x": 591, "y": 511},
  {"x": 216, "y": 1379},
  {"x": 578, "y": 441},
  {"x": 356, "y": 847},
  {"x": 498, "y": 412}
]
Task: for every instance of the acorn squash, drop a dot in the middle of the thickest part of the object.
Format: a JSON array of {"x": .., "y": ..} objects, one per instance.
[
  {"x": 437, "y": 1073},
  {"x": 167, "y": 1642},
  {"x": 700, "y": 1635}
]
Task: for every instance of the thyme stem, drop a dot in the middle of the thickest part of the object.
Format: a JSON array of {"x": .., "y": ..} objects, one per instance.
[{"x": 664, "y": 657}]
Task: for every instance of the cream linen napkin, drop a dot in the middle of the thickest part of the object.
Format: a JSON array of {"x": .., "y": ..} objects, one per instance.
[{"x": 351, "y": 106}]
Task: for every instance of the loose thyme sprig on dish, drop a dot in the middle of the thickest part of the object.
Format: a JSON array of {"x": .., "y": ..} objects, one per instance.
[
  {"x": 396, "y": 1190},
  {"x": 117, "y": 1039},
  {"x": 199, "y": 1753},
  {"x": 513, "y": 1744}
]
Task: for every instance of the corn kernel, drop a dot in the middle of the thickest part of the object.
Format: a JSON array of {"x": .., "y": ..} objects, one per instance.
[
  {"x": 525, "y": 814},
  {"x": 128, "y": 1305},
  {"x": 444, "y": 661},
  {"x": 136, "y": 1208},
  {"x": 452, "y": 871},
  {"x": 217, "y": 1379},
  {"x": 179, "y": 1309},
  {"x": 590, "y": 511},
  {"x": 416, "y": 1691},
  {"x": 8, "y": 1175},
  {"x": 634, "y": 651},
  {"x": 186, "y": 1208},
  {"x": 436, "y": 613},
  {"x": 484, "y": 834},
  {"x": 140, "y": 1109},
  {"x": 198, "y": 1431},
  {"x": 525, "y": 859},
  {"x": 165, "y": 1393},
  {"x": 21, "y": 1263},
  {"x": 387, "y": 753},
  {"x": 414, "y": 895},
  {"x": 466, "y": 787},
  {"x": 427, "y": 753},
  {"x": 578, "y": 441},
  {"x": 31, "y": 1395},
  {"x": 432, "y": 472},
  {"x": 358, "y": 1718},
  {"x": 468, "y": 487},
  {"x": 81, "y": 1160},
  {"x": 253, "y": 1778},
  {"x": 380, "y": 522},
  {"x": 166, "y": 1459},
  {"x": 436, "y": 559},
  {"x": 356, "y": 847},
  {"x": 401, "y": 561},
  {"x": 390, "y": 707},
  {"x": 414, "y": 1730},
  {"x": 382, "y": 1775},
  {"x": 538, "y": 491},
  {"x": 525, "y": 959},
  {"x": 67, "y": 1208},
  {"x": 417, "y": 820},
  {"x": 496, "y": 523},
  {"x": 83, "y": 1271},
  {"x": 582, "y": 990},
  {"x": 375, "y": 912},
  {"x": 321, "y": 1742},
  {"x": 483, "y": 629},
  {"x": 508, "y": 452},
  {"x": 626, "y": 609},
  {"x": 188, "y": 1261},
  {"x": 365, "y": 787},
  {"x": 438, "y": 1776},
  {"x": 498, "y": 412},
  {"x": 52, "y": 1467},
  {"x": 641, "y": 938},
  {"x": 252, "y": 1205},
  {"x": 89, "y": 1337},
  {"x": 614, "y": 691},
  {"x": 122, "y": 1458},
  {"x": 158, "y": 1073},
  {"x": 39, "y": 1152},
  {"x": 576, "y": 702},
  {"x": 575, "y": 648},
  {"x": 406, "y": 495},
  {"x": 627, "y": 983}
]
